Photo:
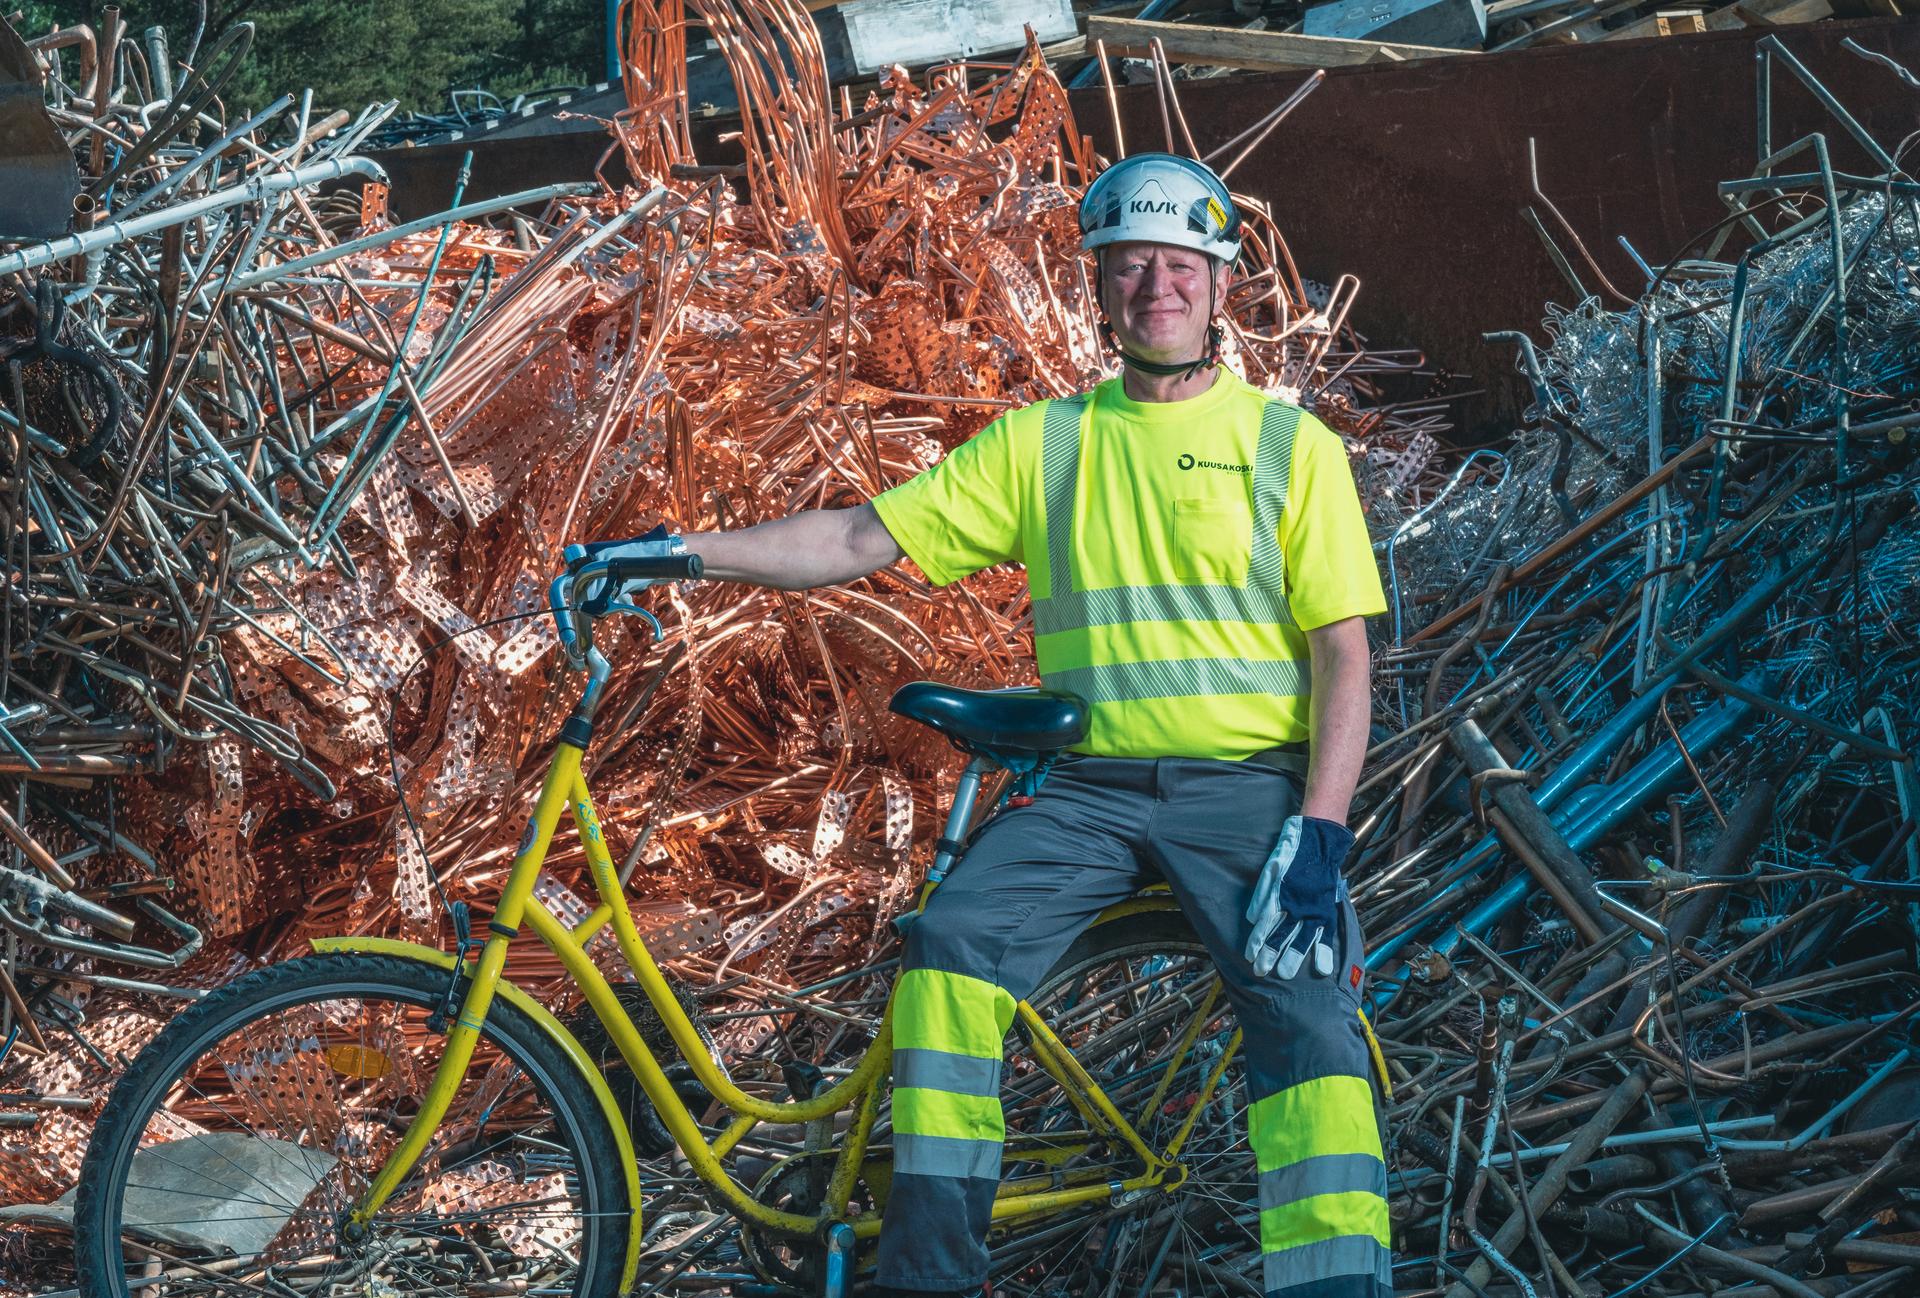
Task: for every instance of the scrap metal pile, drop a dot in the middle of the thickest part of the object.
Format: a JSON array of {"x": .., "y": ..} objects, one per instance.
[
  {"x": 1211, "y": 37},
  {"x": 1639, "y": 867},
  {"x": 284, "y": 483}
]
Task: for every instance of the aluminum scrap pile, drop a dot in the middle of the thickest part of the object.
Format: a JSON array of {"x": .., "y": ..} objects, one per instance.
[
  {"x": 280, "y": 519},
  {"x": 1639, "y": 869}
]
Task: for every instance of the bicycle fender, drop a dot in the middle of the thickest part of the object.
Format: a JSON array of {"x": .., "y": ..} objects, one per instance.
[
  {"x": 1151, "y": 900},
  {"x": 590, "y": 1073}
]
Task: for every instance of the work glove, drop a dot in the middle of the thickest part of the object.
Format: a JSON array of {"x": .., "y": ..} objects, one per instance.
[{"x": 1296, "y": 902}]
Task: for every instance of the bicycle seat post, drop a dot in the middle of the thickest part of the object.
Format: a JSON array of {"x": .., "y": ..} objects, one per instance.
[{"x": 952, "y": 839}]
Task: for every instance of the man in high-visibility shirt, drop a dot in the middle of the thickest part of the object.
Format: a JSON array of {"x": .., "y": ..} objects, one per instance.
[{"x": 1200, "y": 569}]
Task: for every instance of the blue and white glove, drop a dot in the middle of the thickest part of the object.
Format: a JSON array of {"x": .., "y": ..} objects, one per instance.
[{"x": 1296, "y": 902}]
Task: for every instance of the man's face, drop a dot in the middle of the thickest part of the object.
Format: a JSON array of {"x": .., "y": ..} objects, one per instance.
[{"x": 1159, "y": 297}]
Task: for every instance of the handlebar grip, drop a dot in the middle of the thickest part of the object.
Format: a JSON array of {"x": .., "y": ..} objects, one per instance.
[{"x": 666, "y": 567}]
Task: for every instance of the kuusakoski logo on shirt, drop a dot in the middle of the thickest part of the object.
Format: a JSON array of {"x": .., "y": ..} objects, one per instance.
[{"x": 1188, "y": 462}]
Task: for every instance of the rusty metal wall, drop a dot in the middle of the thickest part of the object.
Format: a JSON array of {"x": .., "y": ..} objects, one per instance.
[{"x": 1413, "y": 177}]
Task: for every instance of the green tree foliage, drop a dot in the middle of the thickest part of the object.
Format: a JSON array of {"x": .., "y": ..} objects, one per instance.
[
  {"x": 352, "y": 52},
  {"x": 559, "y": 42}
]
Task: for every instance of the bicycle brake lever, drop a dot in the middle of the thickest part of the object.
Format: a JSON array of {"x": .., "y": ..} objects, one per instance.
[
  {"x": 606, "y": 600},
  {"x": 659, "y": 632}
]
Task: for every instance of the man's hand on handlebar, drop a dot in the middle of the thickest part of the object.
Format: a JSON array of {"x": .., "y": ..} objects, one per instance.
[{"x": 603, "y": 576}]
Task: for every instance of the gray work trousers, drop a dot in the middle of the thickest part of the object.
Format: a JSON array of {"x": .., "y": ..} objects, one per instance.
[{"x": 1034, "y": 878}]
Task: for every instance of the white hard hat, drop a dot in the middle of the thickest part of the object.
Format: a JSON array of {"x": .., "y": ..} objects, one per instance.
[{"x": 1161, "y": 198}]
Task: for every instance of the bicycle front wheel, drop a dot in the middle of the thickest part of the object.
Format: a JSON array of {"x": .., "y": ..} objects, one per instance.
[{"x": 229, "y": 1154}]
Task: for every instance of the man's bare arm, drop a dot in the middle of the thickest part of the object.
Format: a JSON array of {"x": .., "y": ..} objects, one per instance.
[
  {"x": 819, "y": 547},
  {"x": 1341, "y": 708}
]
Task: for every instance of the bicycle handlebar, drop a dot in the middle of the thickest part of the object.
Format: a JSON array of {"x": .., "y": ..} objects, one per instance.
[
  {"x": 667, "y": 567},
  {"x": 614, "y": 567}
]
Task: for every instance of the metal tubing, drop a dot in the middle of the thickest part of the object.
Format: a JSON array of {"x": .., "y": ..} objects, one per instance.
[
  {"x": 1552, "y": 1183},
  {"x": 366, "y": 243},
  {"x": 109, "y": 233}
]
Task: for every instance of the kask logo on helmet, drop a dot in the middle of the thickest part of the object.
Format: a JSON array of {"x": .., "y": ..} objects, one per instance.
[{"x": 1152, "y": 205}]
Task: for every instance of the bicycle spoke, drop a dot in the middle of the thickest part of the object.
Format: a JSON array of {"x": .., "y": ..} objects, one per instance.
[
  {"x": 237, "y": 1176},
  {"x": 1125, "y": 1019}
]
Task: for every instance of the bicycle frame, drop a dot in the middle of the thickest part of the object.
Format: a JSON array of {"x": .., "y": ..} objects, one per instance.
[{"x": 564, "y": 790}]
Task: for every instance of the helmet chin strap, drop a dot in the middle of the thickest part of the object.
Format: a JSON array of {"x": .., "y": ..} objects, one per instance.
[{"x": 1186, "y": 369}]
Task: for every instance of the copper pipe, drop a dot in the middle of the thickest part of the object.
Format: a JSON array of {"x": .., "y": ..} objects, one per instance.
[{"x": 111, "y": 30}]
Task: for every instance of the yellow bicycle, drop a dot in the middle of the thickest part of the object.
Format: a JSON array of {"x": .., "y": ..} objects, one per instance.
[{"x": 384, "y": 1118}]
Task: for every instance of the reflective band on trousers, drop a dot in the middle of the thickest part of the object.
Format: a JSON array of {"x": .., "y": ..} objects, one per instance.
[
  {"x": 936, "y": 1070},
  {"x": 948, "y": 1032},
  {"x": 1324, "y": 1174},
  {"x": 1070, "y": 606},
  {"x": 1323, "y": 1188},
  {"x": 946, "y": 1156},
  {"x": 1350, "y": 1258}
]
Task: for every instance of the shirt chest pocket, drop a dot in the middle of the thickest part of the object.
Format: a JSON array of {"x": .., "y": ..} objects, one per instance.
[{"x": 1212, "y": 538}]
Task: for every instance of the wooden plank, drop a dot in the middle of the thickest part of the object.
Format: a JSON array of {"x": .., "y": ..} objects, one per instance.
[
  {"x": 1230, "y": 47},
  {"x": 1775, "y": 13},
  {"x": 1678, "y": 22},
  {"x": 1570, "y": 27},
  {"x": 1070, "y": 50}
]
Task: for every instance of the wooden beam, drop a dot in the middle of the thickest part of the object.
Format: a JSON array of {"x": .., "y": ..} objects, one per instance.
[
  {"x": 1571, "y": 26},
  {"x": 1231, "y": 47},
  {"x": 1773, "y": 13},
  {"x": 1680, "y": 22},
  {"x": 1067, "y": 51}
]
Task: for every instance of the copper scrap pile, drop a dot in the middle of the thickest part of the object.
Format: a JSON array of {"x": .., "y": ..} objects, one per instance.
[{"x": 286, "y": 482}]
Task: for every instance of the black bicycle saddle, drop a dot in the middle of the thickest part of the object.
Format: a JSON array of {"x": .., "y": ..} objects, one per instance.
[{"x": 1024, "y": 721}]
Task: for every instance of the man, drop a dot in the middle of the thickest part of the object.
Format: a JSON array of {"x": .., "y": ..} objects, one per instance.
[{"x": 1199, "y": 569}]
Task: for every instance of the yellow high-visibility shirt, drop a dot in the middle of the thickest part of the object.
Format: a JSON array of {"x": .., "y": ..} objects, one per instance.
[{"x": 1177, "y": 553}]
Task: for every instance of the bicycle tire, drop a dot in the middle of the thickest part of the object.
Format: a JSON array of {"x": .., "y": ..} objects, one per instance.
[
  {"x": 540, "y": 1110},
  {"x": 1134, "y": 982}
]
